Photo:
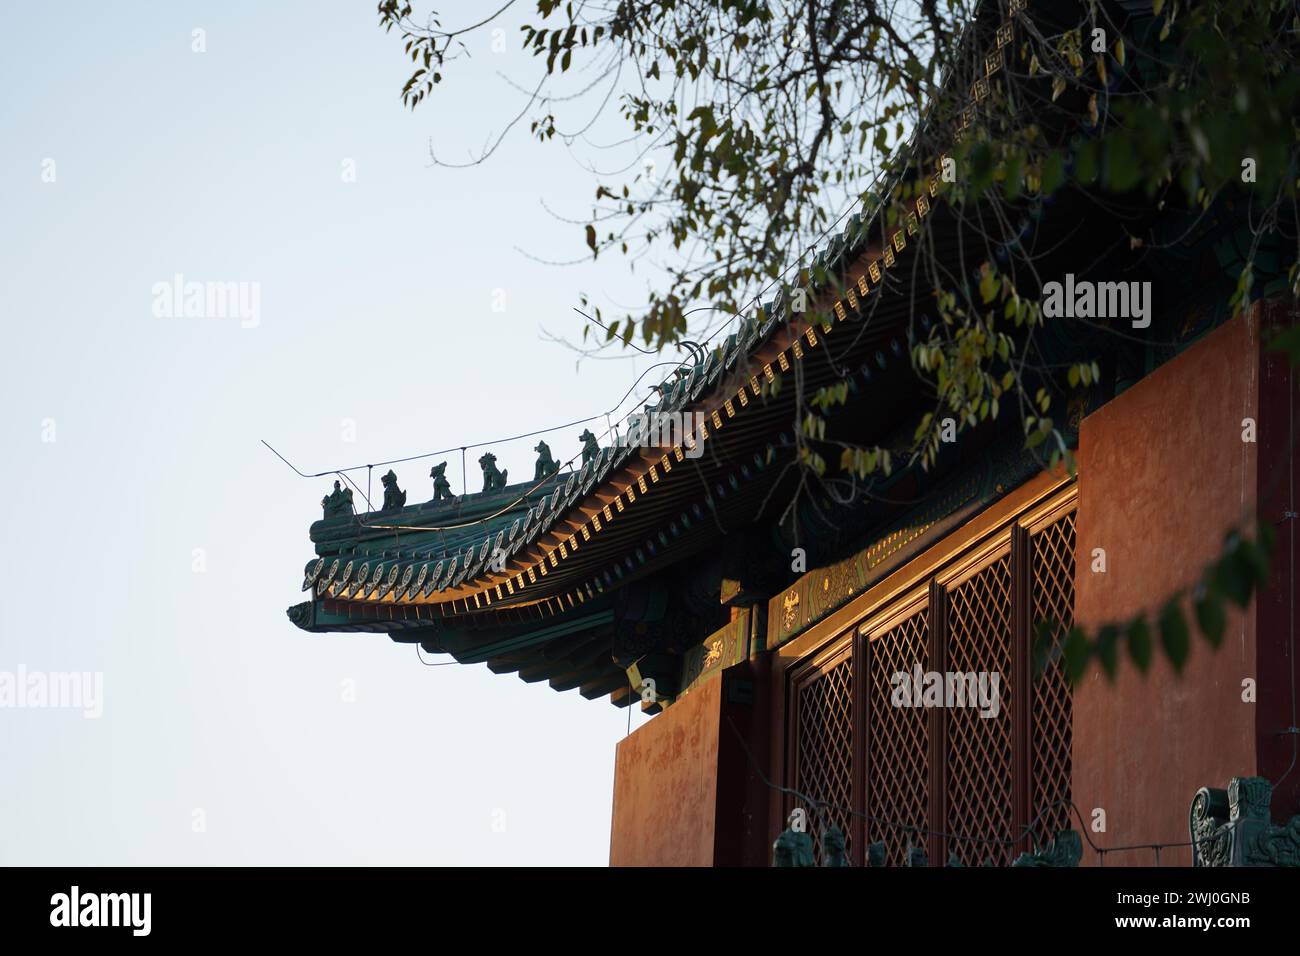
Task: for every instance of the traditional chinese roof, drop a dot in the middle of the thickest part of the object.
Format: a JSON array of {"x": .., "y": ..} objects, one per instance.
[{"x": 534, "y": 577}]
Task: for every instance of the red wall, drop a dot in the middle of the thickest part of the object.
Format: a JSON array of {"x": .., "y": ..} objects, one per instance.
[
  {"x": 1163, "y": 473},
  {"x": 665, "y": 785}
]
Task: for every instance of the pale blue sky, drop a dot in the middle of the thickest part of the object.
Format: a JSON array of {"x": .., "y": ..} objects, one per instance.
[{"x": 376, "y": 306}]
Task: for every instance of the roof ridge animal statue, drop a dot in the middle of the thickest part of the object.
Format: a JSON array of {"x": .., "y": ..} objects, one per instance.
[
  {"x": 546, "y": 464},
  {"x": 337, "y": 502},
  {"x": 493, "y": 480},
  {"x": 394, "y": 497},
  {"x": 590, "y": 447},
  {"x": 441, "y": 486}
]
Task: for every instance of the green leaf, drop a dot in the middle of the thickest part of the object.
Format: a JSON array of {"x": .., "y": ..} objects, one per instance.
[
  {"x": 1108, "y": 648},
  {"x": 1053, "y": 174},
  {"x": 1210, "y": 616},
  {"x": 1139, "y": 642},
  {"x": 1174, "y": 633},
  {"x": 1255, "y": 559},
  {"x": 1232, "y": 576},
  {"x": 1076, "y": 652},
  {"x": 988, "y": 286}
]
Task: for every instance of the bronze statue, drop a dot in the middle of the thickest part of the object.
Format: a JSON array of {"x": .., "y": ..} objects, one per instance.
[
  {"x": 546, "y": 465},
  {"x": 590, "y": 447},
  {"x": 441, "y": 486},
  {"x": 337, "y": 502},
  {"x": 394, "y": 497},
  {"x": 493, "y": 480}
]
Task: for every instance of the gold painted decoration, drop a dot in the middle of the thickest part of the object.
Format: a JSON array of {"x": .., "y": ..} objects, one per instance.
[{"x": 790, "y": 608}]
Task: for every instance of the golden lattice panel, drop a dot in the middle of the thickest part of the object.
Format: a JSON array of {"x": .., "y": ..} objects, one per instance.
[
  {"x": 979, "y": 750},
  {"x": 1052, "y": 598},
  {"x": 824, "y": 746},
  {"x": 898, "y": 758}
]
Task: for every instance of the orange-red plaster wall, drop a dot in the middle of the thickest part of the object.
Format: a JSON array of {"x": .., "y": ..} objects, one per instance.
[
  {"x": 665, "y": 785},
  {"x": 1163, "y": 473}
]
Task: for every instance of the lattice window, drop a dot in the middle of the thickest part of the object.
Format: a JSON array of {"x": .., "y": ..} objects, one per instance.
[
  {"x": 979, "y": 750},
  {"x": 994, "y": 774},
  {"x": 1051, "y": 719},
  {"x": 824, "y": 745},
  {"x": 898, "y": 761}
]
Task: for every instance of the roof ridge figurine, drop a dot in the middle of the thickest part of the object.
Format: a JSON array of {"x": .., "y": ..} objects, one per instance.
[
  {"x": 394, "y": 497},
  {"x": 337, "y": 502},
  {"x": 441, "y": 486},
  {"x": 546, "y": 464},
  {"x": 590, "y": 447},
  {"x": 493, "y": 480}
]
